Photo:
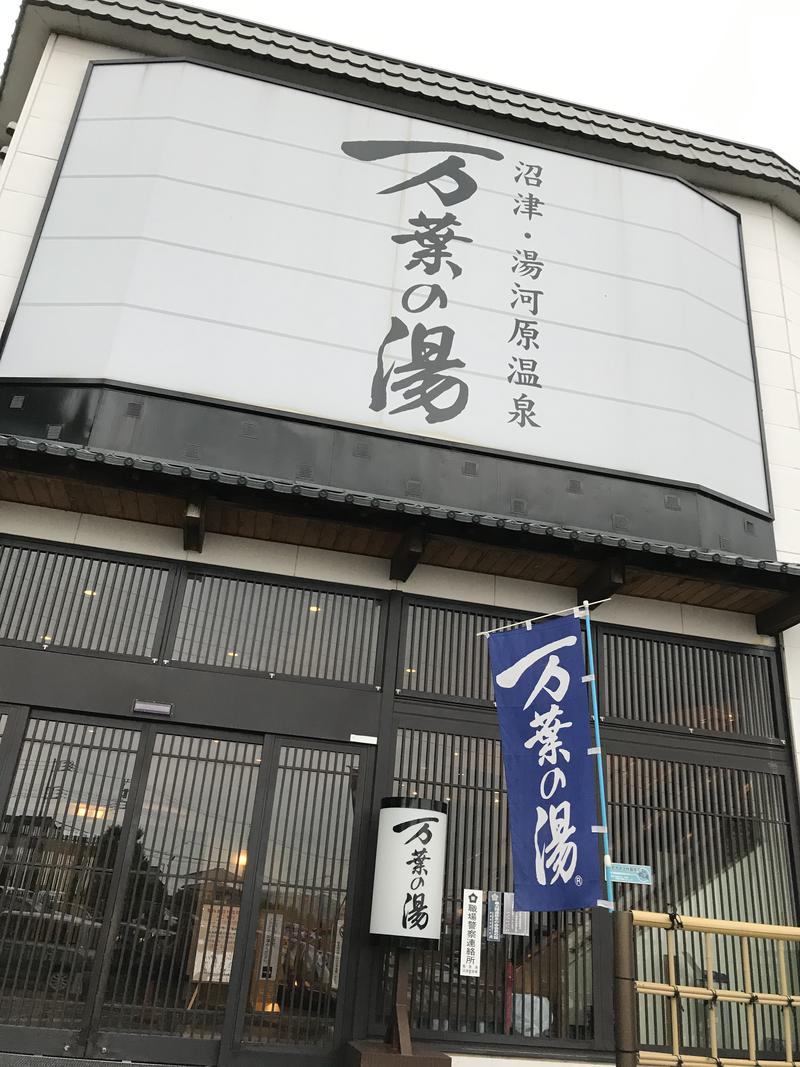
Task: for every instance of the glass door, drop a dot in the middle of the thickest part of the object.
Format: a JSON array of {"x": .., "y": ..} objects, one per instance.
[
  {"x": 168, "y": 968},
  {"x": 296, "y": 986},
  {"x": 60, "y": 834},
  {"x": 171, "y": 896}
]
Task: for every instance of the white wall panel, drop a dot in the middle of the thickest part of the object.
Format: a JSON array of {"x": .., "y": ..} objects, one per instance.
[{"x": 27, "y": 171}]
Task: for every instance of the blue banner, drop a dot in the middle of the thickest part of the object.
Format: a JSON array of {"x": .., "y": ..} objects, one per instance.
[{"x": 543, "y": 708}]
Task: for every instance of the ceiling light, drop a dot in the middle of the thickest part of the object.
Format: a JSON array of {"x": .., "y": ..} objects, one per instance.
[{"x": 152, "y": 707}]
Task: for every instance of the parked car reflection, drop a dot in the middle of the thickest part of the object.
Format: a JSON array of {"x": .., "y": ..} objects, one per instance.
[{"x": 46, "y": 945}]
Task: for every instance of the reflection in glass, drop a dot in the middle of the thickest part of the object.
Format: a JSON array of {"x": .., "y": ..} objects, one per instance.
[
  {"x": 295, "y": 981},
  {"x": 260, "y": 626},
  {"x": 173, "y": 948},
  {"x": 441, "y": 655},
  {"x": 58, "y": 840},
  {"x": 56, "y": 600},
  {"x": 705, "y": 688}
]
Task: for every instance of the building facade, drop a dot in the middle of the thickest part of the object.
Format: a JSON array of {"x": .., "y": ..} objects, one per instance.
[{"x": 315, "y": 366}]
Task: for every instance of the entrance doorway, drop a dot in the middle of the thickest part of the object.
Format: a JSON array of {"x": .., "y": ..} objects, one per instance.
[{"x": 173, "y": 895}]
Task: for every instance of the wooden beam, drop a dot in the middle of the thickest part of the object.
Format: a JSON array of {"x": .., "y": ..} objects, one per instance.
[
  {"x": 194, "y": 525},
  {"x": 407, "y": 554},
  {"x": 780, "y": 616},
  {"x": 605, "y": 580}
]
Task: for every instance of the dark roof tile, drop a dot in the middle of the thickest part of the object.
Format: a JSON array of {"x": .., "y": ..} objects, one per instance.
[{"x": 230, "y": 32}]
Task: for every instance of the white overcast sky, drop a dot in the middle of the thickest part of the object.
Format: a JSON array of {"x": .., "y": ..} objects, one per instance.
[{"x": 721, "y": 67}]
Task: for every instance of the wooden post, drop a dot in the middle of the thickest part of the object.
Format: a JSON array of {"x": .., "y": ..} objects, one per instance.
[
  {"x": 508, "y": 998},
  {"x": 399, "y": 1036},
  {"x": 625, "y": 1036}
]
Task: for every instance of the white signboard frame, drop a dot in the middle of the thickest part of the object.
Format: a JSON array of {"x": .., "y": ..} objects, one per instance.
[{"x": 201, "y": 211}]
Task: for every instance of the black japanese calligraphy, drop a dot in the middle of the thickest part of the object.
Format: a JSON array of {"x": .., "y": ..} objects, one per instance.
[
  {"x": 528, "y": 299},
  {"x": 527, "y": 266},
  {"x": 415, "y": 912},
  {"x": 527, "y": 263},
  {"x": 527, "y": 205},
  {"x": 435, "y": 294},
  {"x": 424, "y": 381},
  {"x": 452, "y": 168},
  {"x": 419, "y": 857},
  {"x": 530, "y": 173},
  {"x": 433, "y": 237},
  {"x": 396, "y": 332},
  {"x": 523, "y": 372},
  {"x": 525, "y": 333},
  {"x": 424, "y": 833},
  {"x": 523, "y": 411}
]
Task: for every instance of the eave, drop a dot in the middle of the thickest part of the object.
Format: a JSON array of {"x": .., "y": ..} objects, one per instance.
[{"x": 405, "y": 533}]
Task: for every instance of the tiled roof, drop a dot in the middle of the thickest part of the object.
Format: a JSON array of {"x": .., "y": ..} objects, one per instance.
[
  {"x": 734, "y": 563},
  {"x": 204, "y": 28}
]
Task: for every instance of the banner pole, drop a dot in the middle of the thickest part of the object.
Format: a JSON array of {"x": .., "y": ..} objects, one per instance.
[{"x": 601, "y": 777}]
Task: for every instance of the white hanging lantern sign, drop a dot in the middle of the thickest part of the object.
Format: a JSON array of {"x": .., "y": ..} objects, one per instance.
[{"x": 409, "y": 870}]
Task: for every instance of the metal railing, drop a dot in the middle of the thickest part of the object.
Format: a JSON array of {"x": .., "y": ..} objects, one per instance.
[{"x": 762, "y": 980}]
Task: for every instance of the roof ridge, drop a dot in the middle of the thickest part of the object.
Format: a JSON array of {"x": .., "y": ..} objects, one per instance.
[
  {"x": 244, "y": 36},
  {"x": 437, "y": 72}
]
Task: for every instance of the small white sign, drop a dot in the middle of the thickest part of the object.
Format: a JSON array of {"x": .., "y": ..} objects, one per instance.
[
  {"x": 216, "y": 937},
  {"x": 632, "y": 873},
  {"x": 494, "y": 916},
  {"x": 271, "y": 946},
  {"x": 471, "y": 922},
  {"x": 515, "y": 922},
  {"x": 336, "y": 968}
]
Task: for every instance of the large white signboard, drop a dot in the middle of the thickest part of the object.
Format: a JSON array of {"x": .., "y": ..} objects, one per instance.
[{"x": 221, "y": 236}]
